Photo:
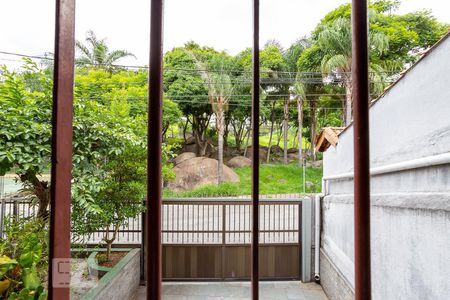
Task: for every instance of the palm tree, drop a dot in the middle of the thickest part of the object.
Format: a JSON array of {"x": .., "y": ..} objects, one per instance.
[
  {"x": 299, "y": 94},
  {"x": 220, "y": 89},
  {"x": 96, "y": 53},
  {"x": 335, "y": 41}
]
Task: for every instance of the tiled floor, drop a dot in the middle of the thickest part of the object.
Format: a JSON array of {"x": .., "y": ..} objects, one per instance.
[{"x": 279, "y": 290}]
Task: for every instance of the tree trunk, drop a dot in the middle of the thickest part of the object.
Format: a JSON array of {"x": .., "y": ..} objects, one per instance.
[
  {"x": 164, "y": 131},
  {"x": 348, "y": 102},
  {"x": 237, "y": 137},
  {"x": 110, "y": 241},
  {"x": 41, "y": 189},
  {"x": 226, "y": 131},
  {"x": 270, "y": 141},
  {"x": 201, "y": 145},
  {"x": 285, "y": 127},
  {"x": 272, "y": 120},
  {"x": 295, "y": 141},
  {"x": 280, "y": 134},
  {"x": 184, "y": 129},
  {"x": 246, "y": 145},
  {"x": 199, "y": 126},
  {"x": 108, "y": 250},
  {"x": 220, "y": 130},
  {"x": 238, "y": 130},
  {"x": 300, "y": 129},
  {"x": 313, "y": 107}
]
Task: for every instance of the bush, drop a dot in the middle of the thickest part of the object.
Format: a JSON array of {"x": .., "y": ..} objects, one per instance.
[{"x": 24, "y": 264}]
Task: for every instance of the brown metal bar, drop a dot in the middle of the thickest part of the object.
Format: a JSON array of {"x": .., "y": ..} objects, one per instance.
[
  {"x": 360, "y": 80},
  {"x": 224, "y": 240},
  {"x": 154, "y": 164},
  {"x": 61, "y": 173},
  {"x": 255, "y": 155}
]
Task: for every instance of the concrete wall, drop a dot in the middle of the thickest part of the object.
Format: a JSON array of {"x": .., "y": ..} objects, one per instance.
[
  {"x": 121, "y": 283},
  {"x": 410, "y": 209}
]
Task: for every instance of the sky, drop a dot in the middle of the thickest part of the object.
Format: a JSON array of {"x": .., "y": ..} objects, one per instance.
[{"x": 27, "y": 26}]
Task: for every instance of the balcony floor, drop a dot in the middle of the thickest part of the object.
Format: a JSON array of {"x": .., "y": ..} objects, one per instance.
[{"x": 269, "y": 290}]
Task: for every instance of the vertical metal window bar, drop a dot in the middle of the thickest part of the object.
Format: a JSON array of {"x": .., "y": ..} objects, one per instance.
[
  {"x": 255, "y": 155},
  {"x": 61, "y": 173},
  {"x": 154, "y": 184},
  {"x": 360, "y": 81}
]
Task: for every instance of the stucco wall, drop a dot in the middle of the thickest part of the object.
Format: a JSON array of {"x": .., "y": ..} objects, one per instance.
[{"x": 410, "y": 209}]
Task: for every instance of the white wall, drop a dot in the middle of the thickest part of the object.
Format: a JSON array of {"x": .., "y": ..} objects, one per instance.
[{"x": 410, "y": 209}]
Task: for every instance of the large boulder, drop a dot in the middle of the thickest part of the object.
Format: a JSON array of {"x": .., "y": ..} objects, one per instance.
[
  {"x": 239, "y": 161},
  {"x": 318, "y": 164},
  {"x": 199, "y": 171},
  {"x": 262, "y": 153},
  {"x": 183, "y": 156},
  {"x": 292, "y": 150},
  {"x": 275, "y": 149},
  {"x": 315, "y": 164},
  {"x": 293, "y": 156}
]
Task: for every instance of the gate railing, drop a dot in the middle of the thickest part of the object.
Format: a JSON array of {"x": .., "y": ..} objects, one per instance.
[
  {"x": 228, "y": 221},
  {"x": 207, "y": 221},
  {"x": 195, "y": 220}
]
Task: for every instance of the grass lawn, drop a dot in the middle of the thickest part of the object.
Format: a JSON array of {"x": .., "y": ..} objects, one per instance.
[{"x": 274, "y": 179}]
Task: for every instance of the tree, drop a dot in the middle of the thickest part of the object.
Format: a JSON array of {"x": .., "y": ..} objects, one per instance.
[
  {"x": 409, "y": 34},
  {"x": 129, "y": 86},
  {"x": 292, "y": 56},
  {"x": 310, "y": 61},
  {"x": 184, "y": 84},
  {"x": 395, "y": 41},
  {"x": 122, "y": 196},
  {"x": 26, "y": 130},
  {"x": 171, "y": 115},
  {"x": 336, "y": 42},
  {"x": 96, "y": 53},
  {"x": 299, "y": 94},
  {"x": 273, "y": 64},
  {"x": 241, "y": 104},
  {"x": 103, "y": 128},
  {"x": 220, "y": 90}
]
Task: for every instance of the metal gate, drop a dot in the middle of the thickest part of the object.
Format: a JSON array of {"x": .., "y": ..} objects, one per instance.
[{"x": 210, "y": 239}]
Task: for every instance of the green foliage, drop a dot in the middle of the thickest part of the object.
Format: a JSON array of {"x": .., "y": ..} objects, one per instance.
[
  {"x": 121, "y": 196},
  {"x": 407, "y": 34},
  {"x": 294, "y": 51},
  {"x": 101, "y": 258},
  {"x": 171, "y": 114},
  {"x": 26, "y": 130},
  {"x": 26, "y": 240},
  {"x": 108, "y": 118},
  {"x": 274, "y": 179},
  {"x": 97, "y": 53},
  {"x": 179, "y": 83},
  {"x": 335, "y": 40}
]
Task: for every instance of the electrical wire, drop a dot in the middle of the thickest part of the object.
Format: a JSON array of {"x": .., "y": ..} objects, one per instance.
[{"x": 198, "y": 70}]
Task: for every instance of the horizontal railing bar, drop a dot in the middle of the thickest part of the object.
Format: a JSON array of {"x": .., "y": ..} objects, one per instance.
[
  {"x": 216, "y": 201},
  {"x": 233, "y": 208},
  {"x": 120, "y": 231},
  {"x": 229, "y": 200},
  {"x": 230, "y": 245},
  {"x": 235, "y": 231},
  {"x": 228, "y": 231}
]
